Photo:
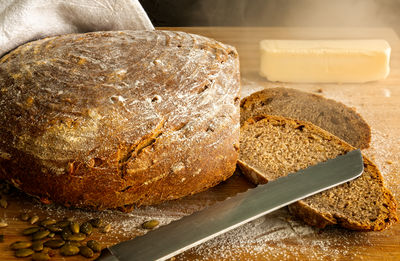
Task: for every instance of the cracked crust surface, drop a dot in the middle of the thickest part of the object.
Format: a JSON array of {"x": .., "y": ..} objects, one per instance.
[
  {"x": 110, "y": 119},
  {"x": 274, "y": 146},
  {"x": 330, "y": 115}
]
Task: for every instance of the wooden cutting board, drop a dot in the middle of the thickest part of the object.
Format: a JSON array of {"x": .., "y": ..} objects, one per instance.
[{"x": 277, "y": 236}]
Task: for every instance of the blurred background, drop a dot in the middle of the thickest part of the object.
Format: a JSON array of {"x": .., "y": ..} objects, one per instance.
[{"x": 295, "y": 13}]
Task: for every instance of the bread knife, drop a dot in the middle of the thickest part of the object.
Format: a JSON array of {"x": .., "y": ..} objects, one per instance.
[{"x": 187, "y": 232}]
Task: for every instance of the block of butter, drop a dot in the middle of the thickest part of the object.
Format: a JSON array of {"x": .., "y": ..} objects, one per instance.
[{"x": 324, "y": 61}]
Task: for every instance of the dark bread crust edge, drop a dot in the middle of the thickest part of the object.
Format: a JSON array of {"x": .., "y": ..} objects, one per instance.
[
  {"x": 311, "y": 215},
  {"x": 357, "y": 122},
  {"x": 305, "y": 212},
  {"x": 251, "y": 173},
  {"x": 93, "y": 189}
]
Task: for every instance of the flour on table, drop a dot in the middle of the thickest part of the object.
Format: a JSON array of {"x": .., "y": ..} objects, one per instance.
[
  {"x": 282, "y": 236},
  {"x": 277, "y": 234}
]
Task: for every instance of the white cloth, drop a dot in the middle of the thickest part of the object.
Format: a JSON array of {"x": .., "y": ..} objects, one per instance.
[{"x": 22, "y": 21}]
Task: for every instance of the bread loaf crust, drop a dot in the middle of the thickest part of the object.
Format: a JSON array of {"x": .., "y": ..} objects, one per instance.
[{"x": 110, "y": 119}]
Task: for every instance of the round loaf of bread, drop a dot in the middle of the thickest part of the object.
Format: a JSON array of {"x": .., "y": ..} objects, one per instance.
[{"x": 114, "y": 119}]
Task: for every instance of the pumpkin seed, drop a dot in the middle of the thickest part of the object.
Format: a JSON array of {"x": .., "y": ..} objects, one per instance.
[
  {"x": 70, "y": 219},
  {"x": 74, "y": 226},
  {"x": 96, "y": 222},
  {"x": 54, "y": 228},
  {"x": 54, "y": 243},
  {"x": 30, "y": 231},
  {"x": 74, "y": 243},
  {"x": 46, "y": 250},
  {"x": 40, "y": 234},
  {"x": 40, "y": 257},
  {"x": 3, "y": 224},
  {"x": 86, "y": 228},
  {"x": 63, "y": 223},
  {"x": 150, "y": 224},
  {"x": 23, "y": 252},
  {"x": 20, "y": 244},
  {"x": 106, "y": 228},
  {"x": 33, "y": 219},
  {"x": 77, "y": 237},
  {"x": 48, "y": 222},
  {"x": 69, "y": 250},
  {"x": 94, "y": 245},
  {"x": 51, "y": 235},
  {"x": 3, "y": 203},
  {"x": 66, "y": 233},
  {"x": 37, "y": 246},
  {"x": 86, "y": 251},
  {"x": 24, "y": 217}
]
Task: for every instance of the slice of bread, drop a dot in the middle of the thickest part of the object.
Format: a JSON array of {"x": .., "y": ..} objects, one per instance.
[
  {"x": 273, "y": 146},
  {"x": 330, "y": 115}
]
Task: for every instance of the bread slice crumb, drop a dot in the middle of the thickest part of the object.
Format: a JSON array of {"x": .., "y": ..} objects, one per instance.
[
  {"x": 335, "y": 117},
  {"x": 276, "y": 146}
]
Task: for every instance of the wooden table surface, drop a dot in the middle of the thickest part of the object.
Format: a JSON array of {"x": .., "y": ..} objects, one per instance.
[{"x": 264, "y": 239}]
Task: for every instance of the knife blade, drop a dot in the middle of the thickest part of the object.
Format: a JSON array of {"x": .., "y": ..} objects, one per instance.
[{"x": 178, "y": 236}]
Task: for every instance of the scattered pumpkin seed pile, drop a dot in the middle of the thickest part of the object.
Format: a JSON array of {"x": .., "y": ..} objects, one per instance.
[{"x": 65, "y": 235}]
